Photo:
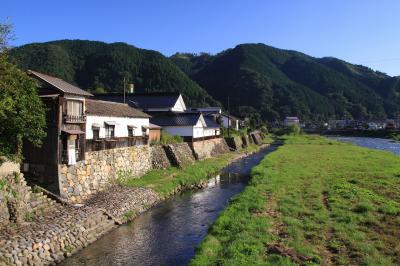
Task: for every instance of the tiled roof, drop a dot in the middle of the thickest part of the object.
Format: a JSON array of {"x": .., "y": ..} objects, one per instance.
[
  {"x": 153, "y": 126},
  {"x": 210, "y": 122},
  {"x": 59, "y": 84},
  {"x": 230, "y": 116},
  {"x": 143, "y": 101},
  {"x": 176, "y": 119},
  {"x": 104, "y": 108}
]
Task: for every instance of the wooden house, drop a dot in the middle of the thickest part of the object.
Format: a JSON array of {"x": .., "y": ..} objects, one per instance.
[{"x": 65, "y": 128}]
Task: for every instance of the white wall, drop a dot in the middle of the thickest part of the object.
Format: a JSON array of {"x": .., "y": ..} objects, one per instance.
[
  {"x": 233, "y": 125},
  {"x": 180, "y": 105},
  {"x": 121, "y": 126}
]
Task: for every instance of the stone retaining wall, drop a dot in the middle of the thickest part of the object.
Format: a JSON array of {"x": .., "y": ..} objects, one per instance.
[
  {"x": 245, "y": 140},
  {"x": 100, "y": 169},
  {"x": 8, "y": 167},
  {"x": 179, "y": 154},
  {"x": 209, "y": 148},
  {"x": 256, "y": 137},
  {"x": 159, "y": 159},
  {"x": 57, "y": 231},
  {"x": 235, "y": 143}
]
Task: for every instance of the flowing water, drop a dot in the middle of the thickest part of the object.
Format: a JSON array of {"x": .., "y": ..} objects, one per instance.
[
  {"x": 169, "y": 233},
  {"x": 373, "y": 143}
]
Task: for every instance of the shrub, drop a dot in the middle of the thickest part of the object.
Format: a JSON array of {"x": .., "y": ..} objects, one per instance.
[
  {"x": 167, "y": 138},
  {"x": 293, "y": 129}
]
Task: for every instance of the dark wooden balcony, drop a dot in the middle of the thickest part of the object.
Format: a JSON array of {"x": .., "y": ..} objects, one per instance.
[
  {"x": 75, "y": 119},
  {"x": 106, "y": 144}
]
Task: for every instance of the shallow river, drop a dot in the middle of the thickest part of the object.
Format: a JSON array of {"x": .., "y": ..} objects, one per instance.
[
  {"x": 373, "y": 143},
  {"x": 169, "y": 233}
]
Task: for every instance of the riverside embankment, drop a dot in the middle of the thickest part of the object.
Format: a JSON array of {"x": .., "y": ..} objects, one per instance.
[
  {"x": 55, "y": 231},
  {"x": 168, "y": 233},
  {"x": 313, "y": 201}
]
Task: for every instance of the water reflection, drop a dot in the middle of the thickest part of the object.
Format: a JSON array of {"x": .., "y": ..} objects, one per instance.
[
  {"x": 373, "y": 143},
  {"x": 169, "y": 233}
]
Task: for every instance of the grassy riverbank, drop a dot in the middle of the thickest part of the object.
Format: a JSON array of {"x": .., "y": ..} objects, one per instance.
[
  {"x": 166, "y": 181},
  {"x": 313, "y": 201}
]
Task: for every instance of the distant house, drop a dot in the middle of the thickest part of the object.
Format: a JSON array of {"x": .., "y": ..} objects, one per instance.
[
  {"x": 148, "y": 102},
  {"x": 230, "y": 121},
  {"x": 66, "y": 120},
  {"x": 111, "y": 125},
  {"x": 372, "y": 126},
  {"x": 213, "y": 128},
  {"x": 209, "y": 110},
  {"x": 291, "y": 120},
  {"x": 189, "y": 125}
]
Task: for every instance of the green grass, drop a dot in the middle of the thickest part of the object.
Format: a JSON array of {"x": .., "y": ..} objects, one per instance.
[
  {"x": 165, "y": 181},
  {"x": 333, "y": 202}
]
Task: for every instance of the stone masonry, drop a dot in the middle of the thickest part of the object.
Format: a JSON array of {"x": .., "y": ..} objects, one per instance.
[
  {"x": 209, "y": 148},
  {"x": 100, "y": 169},
  {"x": 159, "y": 159},
  {"x": 179, "y": 154},
  {"x": 235, "y": 143}
]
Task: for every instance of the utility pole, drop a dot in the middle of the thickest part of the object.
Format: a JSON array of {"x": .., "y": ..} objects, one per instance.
[
  {"x": 124, "y": 91},
  {"x": 229, "y": 118}
]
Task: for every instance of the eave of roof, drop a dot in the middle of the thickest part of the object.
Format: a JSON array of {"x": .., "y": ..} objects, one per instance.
[
  {"x": 112, "y": 109},
  {"x": 59, "y": 84}
]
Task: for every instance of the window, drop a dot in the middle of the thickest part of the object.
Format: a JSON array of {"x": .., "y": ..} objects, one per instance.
[
  {"x": 75, "y": 108},
  {"x": 130, "y": 132},
  {"x": 110, "y": 129},
  {"x": 96, "y": 133}
]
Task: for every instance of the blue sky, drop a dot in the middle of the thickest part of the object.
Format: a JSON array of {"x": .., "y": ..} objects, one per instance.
[{"x": 359, "y": 31}]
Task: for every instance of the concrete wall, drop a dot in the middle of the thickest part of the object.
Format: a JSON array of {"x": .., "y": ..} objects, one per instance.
[
  {"x": 101, "y": 169},
  {"x": 209, "y": 148}
]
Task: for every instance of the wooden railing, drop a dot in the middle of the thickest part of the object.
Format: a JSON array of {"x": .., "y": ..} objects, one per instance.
[{"x": 75, "y": 118}]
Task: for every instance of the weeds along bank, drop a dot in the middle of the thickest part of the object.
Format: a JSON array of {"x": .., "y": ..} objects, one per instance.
[
  {"x": 313, "y": 201},
  {"x": 51, "y": 234}
]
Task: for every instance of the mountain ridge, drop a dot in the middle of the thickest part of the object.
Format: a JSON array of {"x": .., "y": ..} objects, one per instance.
[{"x": 302, "y": 85}]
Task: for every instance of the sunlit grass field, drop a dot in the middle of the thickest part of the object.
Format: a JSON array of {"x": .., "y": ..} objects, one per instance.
[{"x": 314, "y": 201}]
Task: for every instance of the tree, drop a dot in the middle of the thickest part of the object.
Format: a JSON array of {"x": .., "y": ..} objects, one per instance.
[
  {"x": 6, "y": 35},
  {"x": 22, "y": 116}
]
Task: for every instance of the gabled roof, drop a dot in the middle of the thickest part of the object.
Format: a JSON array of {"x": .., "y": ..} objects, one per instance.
[
  {"x": 59, "y": 84},
  {"x": 177, "y": 119},
  {"x": 105, "y": 108}
]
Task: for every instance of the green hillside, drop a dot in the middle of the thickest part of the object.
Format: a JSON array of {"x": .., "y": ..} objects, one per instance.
[
  {"x": 101, "y": 67},
  {"x": 276, "y": 83}
]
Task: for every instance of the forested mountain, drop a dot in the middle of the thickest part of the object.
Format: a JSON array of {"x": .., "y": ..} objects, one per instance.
[
  {"x": 275, "y": 83},
  {"x": 101, "y": 67},
  {"x": 262, "y": 81}
]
